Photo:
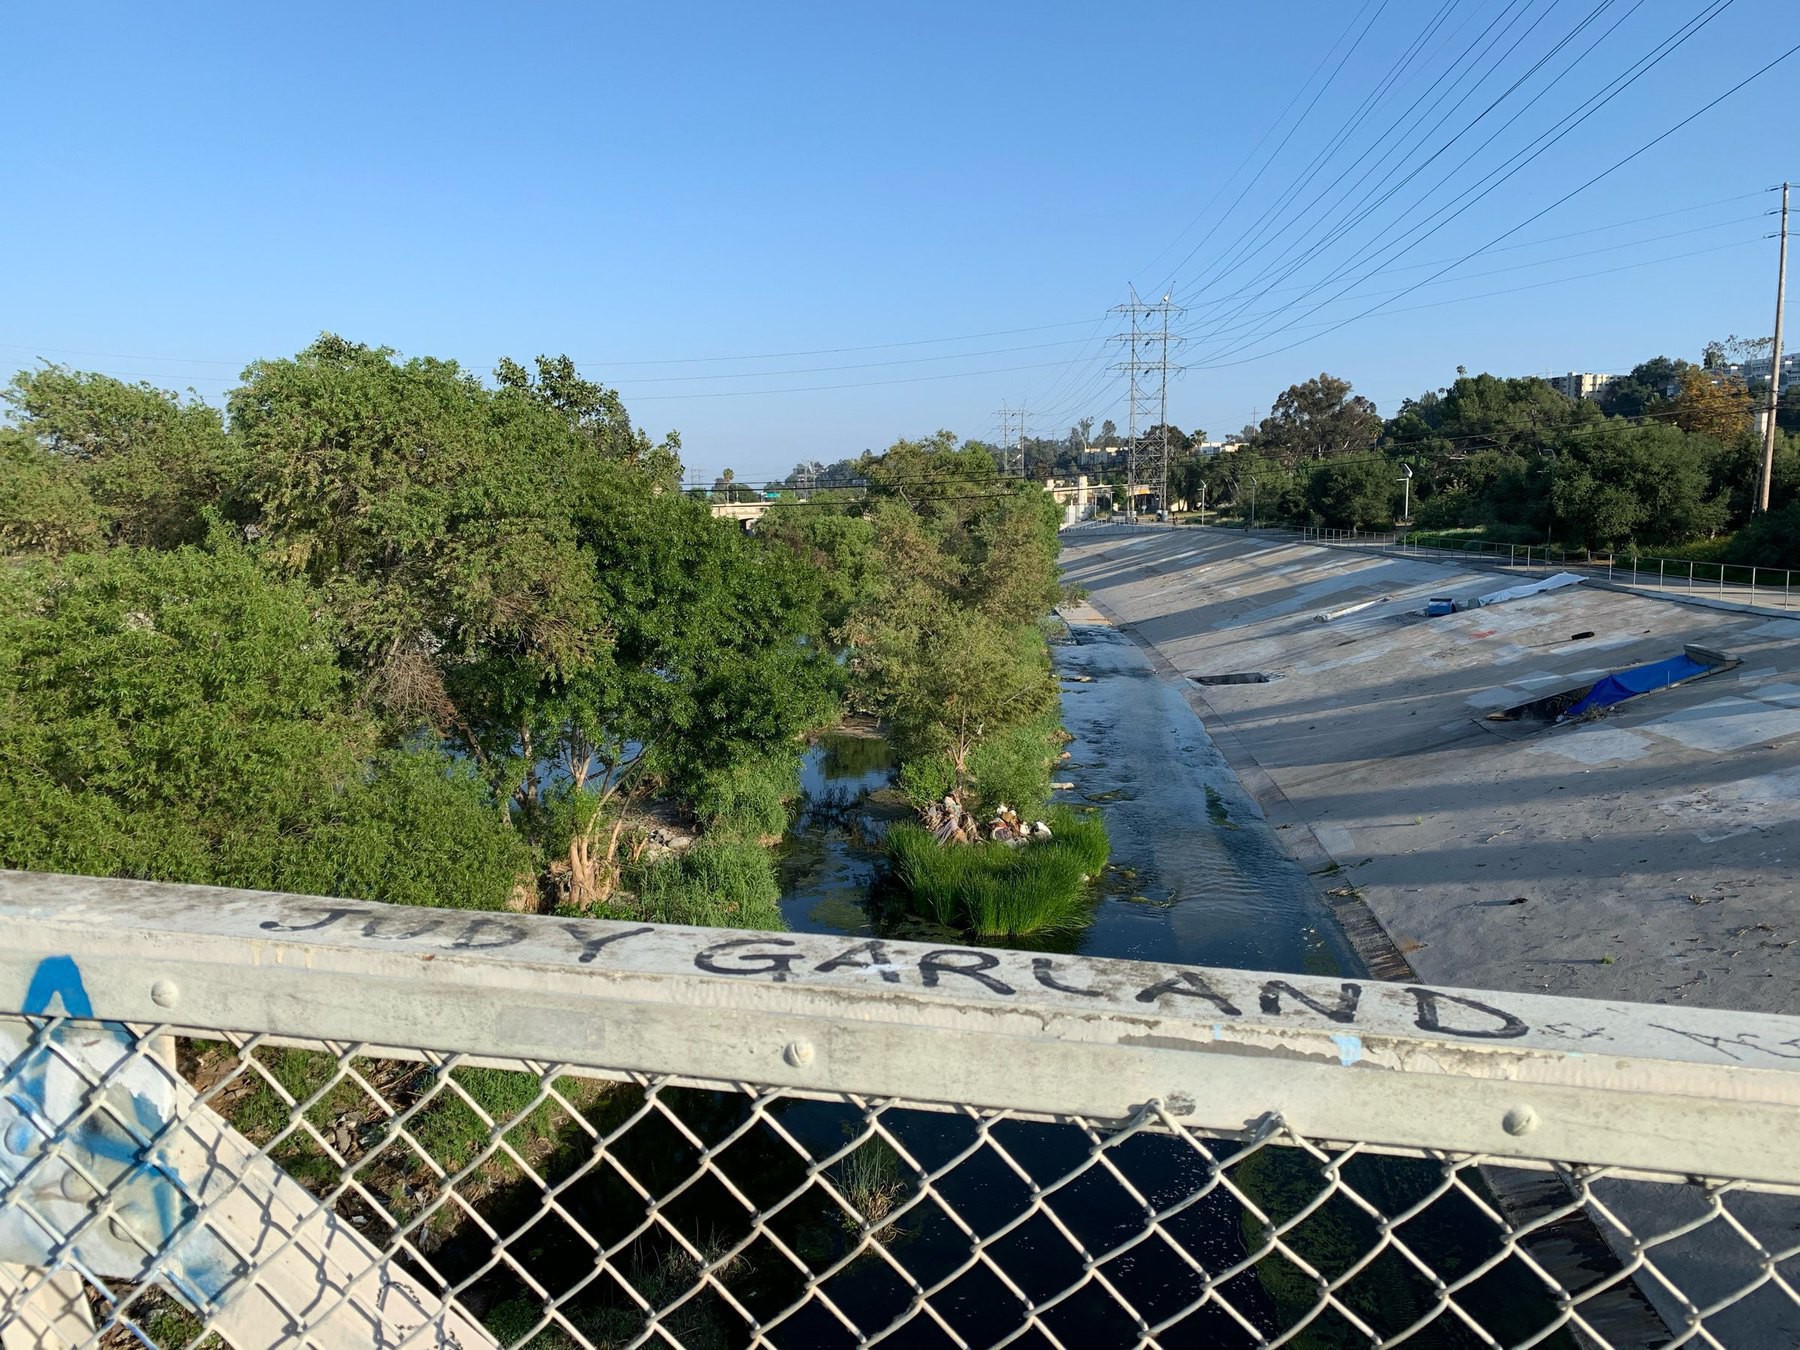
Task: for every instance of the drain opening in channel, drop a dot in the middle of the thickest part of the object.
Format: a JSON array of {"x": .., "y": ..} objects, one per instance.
[{"x": 1237, "y": 677}]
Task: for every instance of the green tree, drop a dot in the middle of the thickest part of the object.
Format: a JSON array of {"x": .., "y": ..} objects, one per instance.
[
  {"x": 150, "y": 462},
  {"x": 1476, "y": 447},
  {"x": 1625, "y": 483},
  {"x": 944, "y": 643},
  {"x": 1649, "y": 389},
  {"x": 713, "y": 652},
  {"x": 44, "y": 506},
  {"x": 838, "y": 547},
  {"x": 596, "y": 413},
  {"x": 179, "y": 716},
  {"x": 1318, "y": 419},
  {"x": 1353, "y": 494},
  {"x": 530, "y": 631},
  {"x": 430, "y": 512}
]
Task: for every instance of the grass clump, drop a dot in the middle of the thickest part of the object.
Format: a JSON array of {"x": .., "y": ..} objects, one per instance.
[
  {"x": 870, "y": 1180},
  {"x": 1002, "y": 890},
  {"x": 718, "y": 883}
]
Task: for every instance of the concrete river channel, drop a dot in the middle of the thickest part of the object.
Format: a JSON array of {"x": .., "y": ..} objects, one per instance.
[{"x": 1197, "y": 876}]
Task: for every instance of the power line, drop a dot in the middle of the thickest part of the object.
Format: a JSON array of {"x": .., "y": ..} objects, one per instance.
[
  {"x": 1251, "y": 242},
  {"x": 1376, "y": 198},
  {"x": 1519, "y": 161},
  {"x": 1538, "y": 215},
  {"x": 1254, "y": 320},
  {"x": 1546, "y": 239},
  {"x": 1276, "y": 153},
  {"x": 1220, "y": 190},
  {"x": 1355, "y": 214}
]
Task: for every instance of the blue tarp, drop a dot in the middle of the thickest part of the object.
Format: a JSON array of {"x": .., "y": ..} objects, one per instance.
[{"x": 1638, "y": 680}]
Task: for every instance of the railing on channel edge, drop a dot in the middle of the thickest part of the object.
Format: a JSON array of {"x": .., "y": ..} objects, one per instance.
[
  {"x": 246, "y": 1119},
  {"x": 1746, "y": 583}
]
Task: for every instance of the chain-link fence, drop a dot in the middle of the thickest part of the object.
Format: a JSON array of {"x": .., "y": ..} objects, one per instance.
[
  {"x": 1749, "y": 584},
  {"x": 235, "y": 1183}
]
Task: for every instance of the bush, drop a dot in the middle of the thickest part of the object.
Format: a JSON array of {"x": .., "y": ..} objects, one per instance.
[
  {"x": 926, "y": 778},
  {"x": 1772, "y": 540},
  {"x": 749, "y": 799},
  {"x": 423, "y": 830},
  {"x": 1001, "y": 890},
  {"x": 1013, "y": 766},
  {"x": 168, "y": 716},
  {"x": 715, "y": 884}
]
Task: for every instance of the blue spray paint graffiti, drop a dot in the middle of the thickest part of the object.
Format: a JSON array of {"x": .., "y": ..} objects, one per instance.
[{"x": 56, "y": 1156}]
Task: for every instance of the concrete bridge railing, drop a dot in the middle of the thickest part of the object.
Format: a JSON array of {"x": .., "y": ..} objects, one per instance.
[{"x": 286, "y": 1120}]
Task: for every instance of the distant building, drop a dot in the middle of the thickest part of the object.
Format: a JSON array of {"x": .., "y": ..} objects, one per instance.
[
  {"x": 1755, "y": 371},
  {"x": 1580, "y": 384},
  {"x": 1213, "y": 449}
]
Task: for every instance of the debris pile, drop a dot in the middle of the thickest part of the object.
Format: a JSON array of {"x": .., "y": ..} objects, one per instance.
[{"x": 950, "y": 824}]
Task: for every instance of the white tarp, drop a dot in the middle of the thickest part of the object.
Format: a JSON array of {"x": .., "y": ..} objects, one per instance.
[{"x": 1555, "y": 583}]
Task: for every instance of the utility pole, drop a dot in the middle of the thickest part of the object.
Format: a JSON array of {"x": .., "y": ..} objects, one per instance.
[
  {"x": 1163, "y": 367},
  {"x": 1133, "y": 310},
  {"x": 1768, "y": 464},
  {"x": 1135, "y": 367}
]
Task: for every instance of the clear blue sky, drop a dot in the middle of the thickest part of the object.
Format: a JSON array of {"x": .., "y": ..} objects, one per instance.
[{"x": 191, "y": 187}]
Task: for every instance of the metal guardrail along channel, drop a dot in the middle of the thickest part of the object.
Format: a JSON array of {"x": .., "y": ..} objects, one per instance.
[
  {"x": 1739, "y": 583},
  {"x": 245, "y": 1119}
]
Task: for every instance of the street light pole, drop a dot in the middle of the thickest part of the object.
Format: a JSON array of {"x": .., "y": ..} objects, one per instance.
[
  {"x": 1768, "y": 464},
  {"x": 1253, "y": 501},
  {"x": 1406, "y": 500}
]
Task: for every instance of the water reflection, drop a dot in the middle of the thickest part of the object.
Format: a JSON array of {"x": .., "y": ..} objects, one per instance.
[{"x": 1197, "y": 875}]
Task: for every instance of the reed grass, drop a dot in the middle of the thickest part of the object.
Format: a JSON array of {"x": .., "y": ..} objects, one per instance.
[{"x": 1001, "y": 890}]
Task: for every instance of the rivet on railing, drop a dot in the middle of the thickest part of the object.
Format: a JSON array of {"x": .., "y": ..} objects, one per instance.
[
  {"x": 798, "y": 1053},
  {"x": 1519, "y": 1120},
  {"x": 164, "y": 993}
]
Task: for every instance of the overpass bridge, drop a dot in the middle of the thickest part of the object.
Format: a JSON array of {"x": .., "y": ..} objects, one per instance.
[
  {"x": 1077, "y": 499},
  {"x": 293, "y": 1120}
]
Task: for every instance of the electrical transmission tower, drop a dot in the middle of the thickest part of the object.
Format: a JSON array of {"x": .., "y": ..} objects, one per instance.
[
  {"x": 1011, "y": 442},
  {"x": 1146, "y": 365}
]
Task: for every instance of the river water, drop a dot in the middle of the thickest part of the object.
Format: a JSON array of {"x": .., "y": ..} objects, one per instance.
[{"x": 1197, "y": 875}]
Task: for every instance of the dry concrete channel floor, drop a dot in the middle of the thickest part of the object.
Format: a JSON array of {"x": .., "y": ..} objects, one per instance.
[{"x": 1646, "y": 855}]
